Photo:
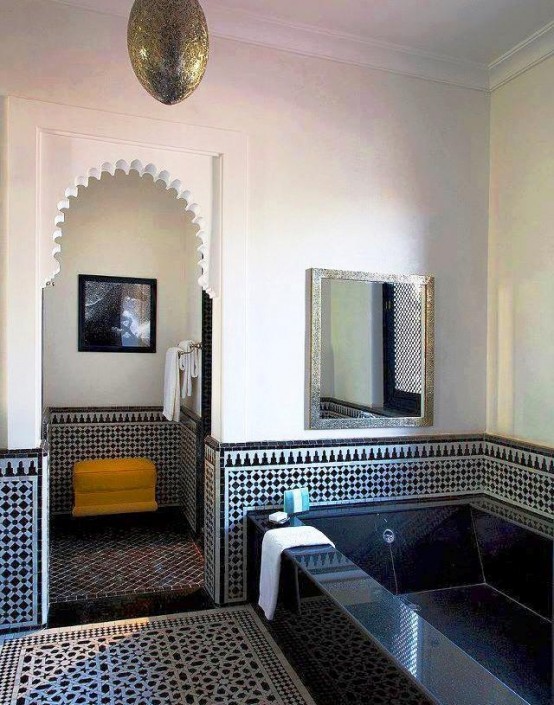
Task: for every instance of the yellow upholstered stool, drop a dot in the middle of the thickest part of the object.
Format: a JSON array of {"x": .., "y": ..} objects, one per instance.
[{"x": 114, "y": 486}]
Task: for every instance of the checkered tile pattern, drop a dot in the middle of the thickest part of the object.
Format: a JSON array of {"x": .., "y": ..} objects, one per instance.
[
  {"x": 212, "y": 522},
  {"x": 19, "y": 550},
  {"x": 188, "y": 493},
  {"x": 20, "y": 541},
  {"x": 520, "y": 485},
  {"x": 254, "y": 476},
  {"x": 223, "y": 656},
  {"x": 70, "y": 442},
  {"x": 407, "y": 338}
]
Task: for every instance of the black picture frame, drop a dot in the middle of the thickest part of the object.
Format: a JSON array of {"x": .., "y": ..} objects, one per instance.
[{"x": 105, "y": 325}]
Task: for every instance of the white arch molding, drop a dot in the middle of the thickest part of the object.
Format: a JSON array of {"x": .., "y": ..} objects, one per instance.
[
  {"x": 202, "y": 233},
  {"x": 47, "y": 146}
]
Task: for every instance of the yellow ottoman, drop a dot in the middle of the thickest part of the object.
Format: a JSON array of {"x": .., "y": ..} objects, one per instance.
[{"x": 114, "y": 486}]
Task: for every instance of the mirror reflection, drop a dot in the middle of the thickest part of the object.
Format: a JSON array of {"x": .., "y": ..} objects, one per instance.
[{"x": 370, "y": 349}]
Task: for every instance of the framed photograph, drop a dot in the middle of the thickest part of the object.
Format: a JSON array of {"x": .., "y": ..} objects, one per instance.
[{"x": 117, "y": 314}]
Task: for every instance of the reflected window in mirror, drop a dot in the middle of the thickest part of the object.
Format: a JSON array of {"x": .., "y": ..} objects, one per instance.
[{"x": 370, "y": 350}]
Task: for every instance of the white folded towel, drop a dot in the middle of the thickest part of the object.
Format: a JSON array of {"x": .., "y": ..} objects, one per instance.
[
  {"x": 274, "y": 543},
  {"x": 172, "y": 396},
  {"x": 189, "y": 362}
]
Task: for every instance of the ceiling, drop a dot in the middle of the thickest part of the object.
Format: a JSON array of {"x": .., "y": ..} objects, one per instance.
[
  {"x": 470, "y": 30},
  {"x": 474, "y": 33}
]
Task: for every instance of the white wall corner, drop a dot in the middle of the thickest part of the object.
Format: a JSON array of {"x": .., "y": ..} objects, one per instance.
[
  {"x": 3, "y": 271},
  {"x": 528, "y": 53}
]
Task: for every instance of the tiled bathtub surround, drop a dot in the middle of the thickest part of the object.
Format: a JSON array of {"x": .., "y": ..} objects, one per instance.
[
  {"x": 22, "y": 539},
  {"x": 86, "y": 433},
  {"x": 253, "y": 476},
  {"x": 243, "y": 477}
]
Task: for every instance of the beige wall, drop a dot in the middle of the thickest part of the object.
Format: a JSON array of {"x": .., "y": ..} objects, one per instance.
[
  {"x": 348, "y": 168},
  {"x": 521, "y": 277},
  {"x": 122, "y": 226}
]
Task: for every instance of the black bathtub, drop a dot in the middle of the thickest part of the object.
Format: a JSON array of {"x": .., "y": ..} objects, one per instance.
[{"x": 458, "y": 595}]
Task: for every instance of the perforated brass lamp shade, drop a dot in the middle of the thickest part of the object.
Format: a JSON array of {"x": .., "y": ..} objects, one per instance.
[{"x": 168, "y": 47}]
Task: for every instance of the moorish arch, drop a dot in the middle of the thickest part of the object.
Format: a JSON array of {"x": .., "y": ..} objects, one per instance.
[
  {"x": 176, "y": 185},
  {"x": 49, "y": 154}
]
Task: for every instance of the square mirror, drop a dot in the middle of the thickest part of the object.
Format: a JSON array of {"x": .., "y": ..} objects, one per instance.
[{"x": 370, "y": 349}]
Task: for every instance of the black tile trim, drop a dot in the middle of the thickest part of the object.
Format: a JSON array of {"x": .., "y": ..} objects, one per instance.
[
  {"x": 342, "y": 442},
  {"x": 189, "y": 414},
  {"x": 72, "y": 409},
  {"x": 21, "y": 452},
  {"x": 96, "y": 415},
  {"x": 511, "y": 445}
]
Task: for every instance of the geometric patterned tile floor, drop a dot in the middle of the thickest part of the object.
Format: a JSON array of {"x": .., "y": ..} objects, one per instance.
[
  {"x": 216, "y": 657},
  {"x": 136, "y": 554},
  {"x": 116, "y": 556},
  {"x": 337, "y": 662}
]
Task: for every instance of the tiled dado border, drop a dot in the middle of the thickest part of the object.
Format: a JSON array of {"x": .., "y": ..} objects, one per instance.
[
  {"x": 25, "y": 495},
  {"x": 75, "y": 434},
  {"x": 103, "y": 414},
  {"x": 243, "y": 477},
  {"x": 23, "y": 539},
  {"x": 337, "y": 408}
]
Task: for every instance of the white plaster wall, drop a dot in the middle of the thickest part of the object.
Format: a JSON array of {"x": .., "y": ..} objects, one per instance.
[
  {"x": 348, "y": 168},
  {"x": 122, "y": 225},
  {"x": 521, "y": 282}
]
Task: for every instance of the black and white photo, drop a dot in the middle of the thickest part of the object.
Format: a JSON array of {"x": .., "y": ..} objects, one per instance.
[{"x": 117, "y": 314}]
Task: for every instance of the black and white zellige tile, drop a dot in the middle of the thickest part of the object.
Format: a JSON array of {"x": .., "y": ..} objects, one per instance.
[{"x": 216, "y": 657}]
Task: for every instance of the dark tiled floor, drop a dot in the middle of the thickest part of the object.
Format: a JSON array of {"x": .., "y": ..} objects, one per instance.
[
  {"x": 338, "y": 664},
  {"x": 122, "y": 556},
  {"x": 108, "y": 609}
]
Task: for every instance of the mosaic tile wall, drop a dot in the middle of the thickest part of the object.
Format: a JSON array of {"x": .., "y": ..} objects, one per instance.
[
  {"x": 23, "y": 539},
  {"x": 212, "y": 520},
  {"x": 206, "y": 362},
  {"x": 244, "y": 477},
  {"x": 520, "y": 473},
  {"x": 80, "y": 434},
  {"x": 191, "y": 489}
]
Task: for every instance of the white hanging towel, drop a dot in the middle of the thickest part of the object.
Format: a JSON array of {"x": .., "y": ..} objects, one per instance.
[
  {"x": 172, "y": 395},
  {"x": 274, "y": 543},
  {"x": 189, "y": 362}
]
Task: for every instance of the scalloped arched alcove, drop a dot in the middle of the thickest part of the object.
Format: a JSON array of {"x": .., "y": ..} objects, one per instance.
[
  {"x": 54, "y": 148},
  {"x": 157, "y": 175},
  {"x": 122, "y": 225}
]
